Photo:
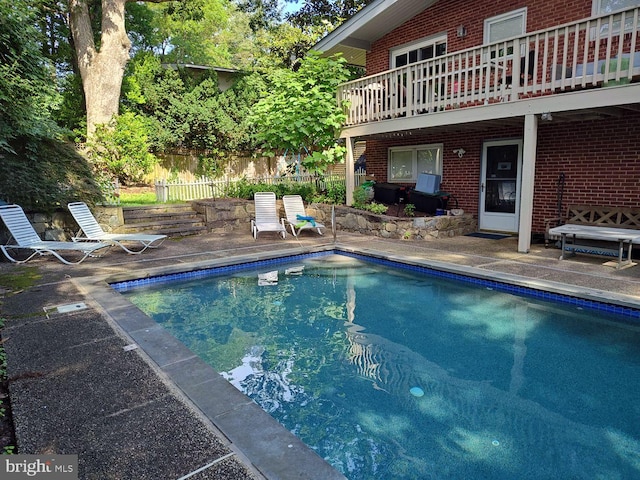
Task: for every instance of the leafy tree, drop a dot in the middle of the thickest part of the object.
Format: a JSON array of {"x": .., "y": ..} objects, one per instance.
[
  {"x": 283, "y": 46},
  {"x": 330, "y": 12},
  {"x": 37, "y": 170},
  {"x": 188, "y": 30},
  {"x": 27, "y": 90},
  {"x": 299, "y": 111},
  {"x": 263, "y": 14},
  {"x": 122, "y": 148},
  {"x": 190, "y": 111}
]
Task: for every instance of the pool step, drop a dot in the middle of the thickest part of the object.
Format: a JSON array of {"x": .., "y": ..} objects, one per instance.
[{"x": 173, "y": 220}]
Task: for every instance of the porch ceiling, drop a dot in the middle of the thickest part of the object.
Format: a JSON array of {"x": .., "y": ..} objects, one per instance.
[{"x": 598, "y": 104}]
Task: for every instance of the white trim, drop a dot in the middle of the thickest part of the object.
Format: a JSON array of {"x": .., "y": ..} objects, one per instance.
[
  {"x": 414, "y": 160},
  {"x": 571, "y": 101},
  {"x": 529, "y": 149},
  {"x": 596, "y": 7},
  {"x": 488, "y": 22},
  {"x": 495, "y": 220},
  {"x": 433, "y": 40}
]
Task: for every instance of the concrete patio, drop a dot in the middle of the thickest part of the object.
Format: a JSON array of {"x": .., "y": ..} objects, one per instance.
[{"x": 97, "y": 382}]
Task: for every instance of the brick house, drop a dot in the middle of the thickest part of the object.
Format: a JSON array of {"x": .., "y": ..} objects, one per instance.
[{"x": 523, "y": 107}]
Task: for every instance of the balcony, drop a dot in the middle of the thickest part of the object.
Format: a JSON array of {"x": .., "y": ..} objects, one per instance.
[{"x": 579, "y": 56}]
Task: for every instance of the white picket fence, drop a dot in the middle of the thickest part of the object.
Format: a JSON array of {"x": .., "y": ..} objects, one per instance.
[{"x": 177, "y": 190}]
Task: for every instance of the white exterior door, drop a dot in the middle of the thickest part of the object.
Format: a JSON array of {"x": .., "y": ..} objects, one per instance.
[{"x": 500, "y": 186}]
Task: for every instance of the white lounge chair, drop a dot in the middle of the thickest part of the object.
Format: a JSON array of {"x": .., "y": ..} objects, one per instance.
[
  {"x": 266, "y": 215},
  {"x": 297, "y": 218},
  {"x": 26, "y": 238},
  {"x": 93, "y": 231}
]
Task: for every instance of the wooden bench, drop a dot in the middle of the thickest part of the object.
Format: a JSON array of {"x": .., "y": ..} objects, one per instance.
[{"x": 591, "y": 229}]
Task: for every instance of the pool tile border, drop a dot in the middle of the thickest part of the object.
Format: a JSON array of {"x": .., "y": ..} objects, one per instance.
[{"x": 627, "y": 313}]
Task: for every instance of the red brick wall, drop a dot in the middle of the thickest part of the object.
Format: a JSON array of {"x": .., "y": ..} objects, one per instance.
[
  {"x": 449, "y": 15},
  {"x": 600, "y": 160}
]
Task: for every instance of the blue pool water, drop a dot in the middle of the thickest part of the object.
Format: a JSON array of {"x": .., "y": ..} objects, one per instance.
[{"x": 393, "y": 374}]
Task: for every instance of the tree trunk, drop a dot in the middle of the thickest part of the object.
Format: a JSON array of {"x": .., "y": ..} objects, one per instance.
[{"x": 101, "y": 71}]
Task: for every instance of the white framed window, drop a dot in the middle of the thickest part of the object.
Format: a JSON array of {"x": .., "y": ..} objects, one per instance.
[
  {"x": 604, "y": 7},
  {"x": 405, "y": 163},
  {"x": 425, "y": 49},
  {"x": 503, "y": 26}
]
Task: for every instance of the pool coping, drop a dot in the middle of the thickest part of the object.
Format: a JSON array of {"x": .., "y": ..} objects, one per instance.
[{"x": 273, "y": 451}]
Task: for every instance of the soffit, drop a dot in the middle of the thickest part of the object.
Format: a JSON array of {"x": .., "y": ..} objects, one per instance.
[{"x": 354, "y": 37}]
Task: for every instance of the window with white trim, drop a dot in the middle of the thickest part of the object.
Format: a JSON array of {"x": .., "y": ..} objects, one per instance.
[
  {"x": 405, "y": 163},
  {"x": 418, "y": 51},
  {"x": 603, "y": 7},
  {"x": 503, "y": 26}
]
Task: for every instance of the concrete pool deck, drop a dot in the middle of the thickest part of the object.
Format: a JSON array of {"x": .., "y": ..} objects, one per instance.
[{"x": 90, "y": 375}]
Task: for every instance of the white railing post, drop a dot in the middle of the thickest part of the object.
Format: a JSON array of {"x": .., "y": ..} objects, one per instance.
[{"x": 589, "y": 52}]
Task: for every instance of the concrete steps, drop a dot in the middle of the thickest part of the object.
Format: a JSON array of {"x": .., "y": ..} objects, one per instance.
[{"x": 173, "y": 220}]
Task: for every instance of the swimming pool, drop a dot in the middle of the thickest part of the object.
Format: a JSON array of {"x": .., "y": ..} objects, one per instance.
[{"x": 394, "y": 373}]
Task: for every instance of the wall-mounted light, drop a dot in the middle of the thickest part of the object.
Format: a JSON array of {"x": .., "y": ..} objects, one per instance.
[
  {"x": 547, "y": 117},
  {"x": 462, "y": 31},
  {"x": 460, "y": 152}
]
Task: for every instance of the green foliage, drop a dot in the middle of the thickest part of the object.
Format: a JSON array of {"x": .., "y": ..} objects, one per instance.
[
  {"x": 378, "y": 208},
  {"x": 27, "y": 89},
  {"x": 71, "y": 113},
  {"x": 299, "y": 113},
  {"x": 360, "y": 198},
  {"x": 410, "y": 209},
  {"x": 317, "y": 162},
  {"x": 44, "y": 174},
  {"x": 211, "y": 165},
  {"x": 319, "y": 12},
  {"x": 245, "y": 189},
  {"x": 336, "y": 194},
  {"x": 122, "y": 148},
  {"x": 188, "y": 110},
  {"x": 283, "y": 45},
  {"x": 135, "y": 199}
]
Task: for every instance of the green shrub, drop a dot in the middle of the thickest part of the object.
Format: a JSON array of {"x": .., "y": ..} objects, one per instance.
[
  {"x": 44, "y": 174},
  {"x": 122, "y": 148},
  {"x": 245, "y": 189},
  {"x": 360, "y": 198},
  {"x": 410, "y": 209},
  {"x": 337, "y": 193},
  {"x": 377, "y": 208}
]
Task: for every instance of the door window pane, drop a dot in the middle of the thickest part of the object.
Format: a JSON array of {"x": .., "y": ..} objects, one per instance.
[{"x": 501, "y": 178}]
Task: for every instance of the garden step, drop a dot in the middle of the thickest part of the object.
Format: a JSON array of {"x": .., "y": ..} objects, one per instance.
[
  {"x": 172, "y": 230},
  {"x": 164, "y": 218},
  {"x": 172, "y": 220}
]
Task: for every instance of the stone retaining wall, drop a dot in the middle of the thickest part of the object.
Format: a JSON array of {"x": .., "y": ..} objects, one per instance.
[
  {"x": 227, "y": 215},
  {"x": 223, "y": 215}
]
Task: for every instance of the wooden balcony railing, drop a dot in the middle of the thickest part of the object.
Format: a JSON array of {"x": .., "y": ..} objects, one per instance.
[{"x": 589, "y": 53}]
